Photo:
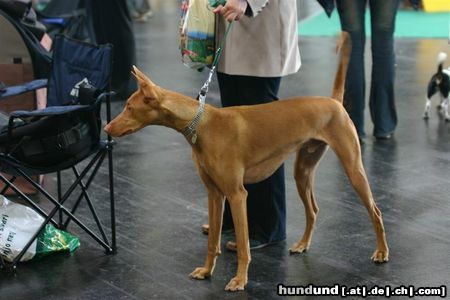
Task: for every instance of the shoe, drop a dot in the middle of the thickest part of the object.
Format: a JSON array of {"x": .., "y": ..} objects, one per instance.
[
  {"x": 205, "y": 229},
  {"x": 382, "y": 137},
  {"x": 254, "y": 245},
  {"x": 141, "y": 18},
  {"x": 361, "y": 140},
  {"x": 149, "y": 13}
]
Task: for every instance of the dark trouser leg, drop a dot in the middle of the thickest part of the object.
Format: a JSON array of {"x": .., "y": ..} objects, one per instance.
[
  {"x": 351, "y": 14},
  {"x": 382, "y": 100},
  {"x": 266, "y": 204}
]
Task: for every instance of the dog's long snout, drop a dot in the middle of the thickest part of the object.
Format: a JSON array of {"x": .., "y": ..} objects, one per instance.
[
  {"x": 112, "y": 131},
  {"x": 108, "y": 128}
]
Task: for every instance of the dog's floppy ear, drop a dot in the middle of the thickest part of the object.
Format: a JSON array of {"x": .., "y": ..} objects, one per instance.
[{"x": 146, "y": 86}]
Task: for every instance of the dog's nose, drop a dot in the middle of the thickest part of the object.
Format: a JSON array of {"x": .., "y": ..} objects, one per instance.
[{"x": 107, "y": 128}]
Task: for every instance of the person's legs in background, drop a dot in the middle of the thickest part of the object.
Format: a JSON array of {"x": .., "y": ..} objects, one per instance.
[
  {"x": 351, "y": 14},
  {"x": 382, "y": 100},
  {"x": 266, "y": 201},
  {"x": 119, "y": 33}
]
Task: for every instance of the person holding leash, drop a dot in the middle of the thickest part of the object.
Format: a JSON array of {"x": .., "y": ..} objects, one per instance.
[{"x": 261, "y": 48}]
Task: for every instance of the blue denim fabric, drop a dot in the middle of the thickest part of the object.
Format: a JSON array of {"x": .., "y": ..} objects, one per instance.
[{"x": 382, "y": 99}]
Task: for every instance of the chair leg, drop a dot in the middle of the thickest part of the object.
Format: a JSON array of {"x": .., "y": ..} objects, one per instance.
[
  {"x": 111, "y": 196},
  {"x": 110, "y": 248},
  {"x": 58, "y": 179},
  {"x": 20, "y": 194},
  {"x": 7, "y": 185},
  {"x": 88, "y": 199},
  {"x": 84, "y": 187},
  {"x": 64, "y": 198}
]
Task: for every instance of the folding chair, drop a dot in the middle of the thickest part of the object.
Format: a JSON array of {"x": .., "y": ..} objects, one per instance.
[{"x": 64, "y": 136}]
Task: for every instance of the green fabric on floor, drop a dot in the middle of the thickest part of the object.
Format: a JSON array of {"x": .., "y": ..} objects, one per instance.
[{"x": 409, "y": 24}]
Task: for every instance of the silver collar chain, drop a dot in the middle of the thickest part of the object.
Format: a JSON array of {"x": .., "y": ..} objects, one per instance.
[{"x": 190, "y": 132}]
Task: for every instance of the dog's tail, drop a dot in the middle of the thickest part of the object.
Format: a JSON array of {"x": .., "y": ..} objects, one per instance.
[
  {"x": 344, "y": 48},
  {"x": 440, "y": 60}
]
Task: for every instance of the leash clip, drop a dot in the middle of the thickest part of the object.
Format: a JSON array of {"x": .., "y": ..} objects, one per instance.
[{"x": 205, "y": 88}]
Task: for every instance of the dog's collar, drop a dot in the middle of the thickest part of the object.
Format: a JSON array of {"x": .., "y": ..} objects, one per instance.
[{"x": 190, "y": 132}]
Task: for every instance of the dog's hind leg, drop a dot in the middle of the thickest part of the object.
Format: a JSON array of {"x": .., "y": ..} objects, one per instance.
[
  {"x": 426, "y": 113},
  {"x": 215, "y": 212},
  {"x": 306, "y": 162},
  {"x": 348, "y": 150},
  {"x": 431, "y": 90}
]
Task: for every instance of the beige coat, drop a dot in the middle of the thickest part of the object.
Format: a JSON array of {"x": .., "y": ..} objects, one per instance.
[{"x": 263, "y": 45}]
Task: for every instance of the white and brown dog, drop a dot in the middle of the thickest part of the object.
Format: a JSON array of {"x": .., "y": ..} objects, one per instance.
[{"x": 439, "y": 84}]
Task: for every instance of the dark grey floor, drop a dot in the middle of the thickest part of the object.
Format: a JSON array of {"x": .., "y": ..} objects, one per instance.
[{"x": 161, "y": 202}]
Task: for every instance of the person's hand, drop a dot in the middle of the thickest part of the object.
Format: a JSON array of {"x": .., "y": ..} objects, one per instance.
[{"x": 233, "y": 9}]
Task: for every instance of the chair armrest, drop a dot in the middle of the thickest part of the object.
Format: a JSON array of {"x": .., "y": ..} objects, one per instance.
[
  {"x": 48, "y": 111},
  {"x": 23, "y": 88},
  {"x": 103, "y": 96}
]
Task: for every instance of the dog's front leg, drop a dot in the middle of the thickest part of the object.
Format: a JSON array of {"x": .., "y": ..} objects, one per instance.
[
  {"x": 426, "y": 113},
  {"x": 238, "y": 205},
  {"x": 215, "y": 215}
]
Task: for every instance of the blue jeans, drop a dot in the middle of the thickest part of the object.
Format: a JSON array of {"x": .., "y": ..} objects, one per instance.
[{"x": 382, "y": 100}]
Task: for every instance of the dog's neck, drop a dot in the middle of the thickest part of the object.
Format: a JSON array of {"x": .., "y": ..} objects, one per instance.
[
  {"x": 181, "y": 111},
  {"x": 190, "y": 132}
]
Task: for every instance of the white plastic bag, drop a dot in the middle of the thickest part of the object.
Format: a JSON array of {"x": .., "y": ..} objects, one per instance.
[{"x": 18, "y": 223}]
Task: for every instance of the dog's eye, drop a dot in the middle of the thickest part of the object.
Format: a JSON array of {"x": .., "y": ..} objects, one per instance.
[{"x": 129, "y": 108}]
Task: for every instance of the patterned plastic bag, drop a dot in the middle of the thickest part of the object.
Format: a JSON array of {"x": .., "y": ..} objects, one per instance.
[{"x": 197, "y": 34}]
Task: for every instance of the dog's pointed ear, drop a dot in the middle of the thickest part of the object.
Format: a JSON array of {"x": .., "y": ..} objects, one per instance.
[
  {"x": 146, "y": 86},
  {"x": 141, "y": 76}
]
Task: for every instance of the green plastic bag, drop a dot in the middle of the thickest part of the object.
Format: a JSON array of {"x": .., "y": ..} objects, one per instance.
[{"x": 53, "y": 240}]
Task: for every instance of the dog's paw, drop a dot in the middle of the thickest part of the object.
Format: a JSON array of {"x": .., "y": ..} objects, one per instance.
[
  {"x": 380, "y": 256},
  {"x": 200, "y": 273},
  {"x": 299, "y": 248},
  {"x": 236, "y": 284}
]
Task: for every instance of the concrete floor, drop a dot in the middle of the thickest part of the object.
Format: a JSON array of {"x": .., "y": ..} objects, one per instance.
[{"x": 161, "y": 203}]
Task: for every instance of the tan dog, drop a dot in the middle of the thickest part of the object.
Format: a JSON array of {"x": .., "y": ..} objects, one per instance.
[{"x": 246, "y": 144}]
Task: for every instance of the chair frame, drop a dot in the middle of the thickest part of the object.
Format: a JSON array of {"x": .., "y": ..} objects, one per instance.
[{"x": 82, "y": 182}]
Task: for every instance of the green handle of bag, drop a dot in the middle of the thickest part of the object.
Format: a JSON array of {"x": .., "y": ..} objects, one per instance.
[{"x": 215, "y": 3}]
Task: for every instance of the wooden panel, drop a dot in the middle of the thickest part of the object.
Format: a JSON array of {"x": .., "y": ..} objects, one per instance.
[{"x": 14, "y": 74}]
